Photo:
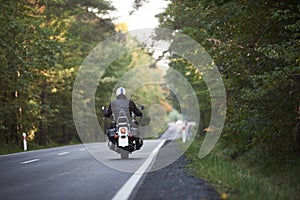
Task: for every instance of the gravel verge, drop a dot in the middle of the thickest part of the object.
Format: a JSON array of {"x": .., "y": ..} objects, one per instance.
[{"x": 173, "y": 181}]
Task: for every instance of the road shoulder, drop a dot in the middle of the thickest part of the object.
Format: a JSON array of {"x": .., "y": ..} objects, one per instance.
[{"x": 173, "y": 181}]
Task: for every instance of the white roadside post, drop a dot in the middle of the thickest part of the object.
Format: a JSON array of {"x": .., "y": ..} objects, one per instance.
[
  {"x": 184, "y": 133},
  {"x": 24, "y": 142}
]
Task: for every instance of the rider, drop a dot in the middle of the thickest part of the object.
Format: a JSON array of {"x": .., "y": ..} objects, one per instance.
[{"x": 128, "y": 107}]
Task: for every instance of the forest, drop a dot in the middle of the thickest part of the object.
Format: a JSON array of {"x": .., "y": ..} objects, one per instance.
[
  {"x": 255, "y": 45},
  {"x": 43, "y": 44}
]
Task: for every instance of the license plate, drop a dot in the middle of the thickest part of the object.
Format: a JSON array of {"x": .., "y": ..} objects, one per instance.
[{"x": 123, "y": 141}]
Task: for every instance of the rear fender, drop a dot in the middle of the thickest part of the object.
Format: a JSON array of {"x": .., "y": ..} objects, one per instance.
[{"x": 123, "y": 139}]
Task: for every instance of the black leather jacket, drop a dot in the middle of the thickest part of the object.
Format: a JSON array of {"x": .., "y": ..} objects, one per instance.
[{"x": 122, "y": 102}]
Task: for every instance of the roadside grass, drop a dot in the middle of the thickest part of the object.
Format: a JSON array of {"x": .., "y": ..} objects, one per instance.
[
  {"x": 235, "y": 179},
  {"x": 9, "y": 148},
  {"x": 15, "y": 148}
]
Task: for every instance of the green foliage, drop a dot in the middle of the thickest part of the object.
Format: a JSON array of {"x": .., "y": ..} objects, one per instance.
[
  {"x": 239, "y": 180},
  {"x": 42, "y": 45},
  {"x": 255, "y": 45}
]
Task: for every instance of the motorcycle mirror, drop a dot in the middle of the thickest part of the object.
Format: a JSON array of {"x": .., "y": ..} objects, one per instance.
[{"x": 142, "y": 107}]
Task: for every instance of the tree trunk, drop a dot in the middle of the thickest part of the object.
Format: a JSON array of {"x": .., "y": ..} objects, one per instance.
[
  {"x": 201, "y": 123},
  {"x": 41, "y": 139},
  {"x": 297, "y": 127}
]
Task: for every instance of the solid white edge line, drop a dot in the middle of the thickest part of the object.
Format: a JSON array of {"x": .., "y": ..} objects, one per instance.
[
  {"x": 29, "y": 161},
  {"x": 63, "y": 153},
  {"x": 128, "y": 187}
]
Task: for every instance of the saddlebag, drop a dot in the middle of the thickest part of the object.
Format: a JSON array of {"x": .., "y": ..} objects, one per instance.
[
  {"x": 111, "y": 132},
  {"x": 134, "y": 131}
]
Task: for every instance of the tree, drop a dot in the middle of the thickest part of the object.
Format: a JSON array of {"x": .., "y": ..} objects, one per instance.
[
  {"x": 255, "y": 45},
  {"x": 42, "y": 46}
]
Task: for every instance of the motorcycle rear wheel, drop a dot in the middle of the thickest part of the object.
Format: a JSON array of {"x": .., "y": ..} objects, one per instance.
[{"x": 124, "y": 154}]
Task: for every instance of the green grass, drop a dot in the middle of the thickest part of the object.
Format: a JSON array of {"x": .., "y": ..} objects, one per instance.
[
  {"x": 238, "y": 180},
  {"x": 9, "y": 148}
]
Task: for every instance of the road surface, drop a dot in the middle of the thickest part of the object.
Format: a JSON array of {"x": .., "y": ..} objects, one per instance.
[
  {"x": 70, "y": 172},
  {"x": 86, "y": 172}
]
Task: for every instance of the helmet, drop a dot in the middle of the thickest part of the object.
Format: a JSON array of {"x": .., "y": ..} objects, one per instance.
[{"x": 121, "y": 90}]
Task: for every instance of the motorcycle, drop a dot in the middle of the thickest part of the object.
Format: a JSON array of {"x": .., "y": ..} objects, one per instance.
[{"x": 123, "y": 134}]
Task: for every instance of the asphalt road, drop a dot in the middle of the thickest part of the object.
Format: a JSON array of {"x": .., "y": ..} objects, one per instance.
[{"x": 71, "y": 172}]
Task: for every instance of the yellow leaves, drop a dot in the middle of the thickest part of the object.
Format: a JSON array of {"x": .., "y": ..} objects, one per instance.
[
  {"x": 224, "y": 195},
  {"x": 217, "y": 42},
  {"x": 121, "y": 27},
  {"x": 40, "y": 8},
  {"x": 59, "y": 38},
  {"x": 54, "y": 90},
  {"x": 188, "y": 73},
  {"x": 166, "y": 105},
  {"x": 32, "y": 132}
]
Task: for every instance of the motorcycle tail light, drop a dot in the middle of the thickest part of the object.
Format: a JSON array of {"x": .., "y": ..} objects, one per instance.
[{"x": 123, "y": 130}]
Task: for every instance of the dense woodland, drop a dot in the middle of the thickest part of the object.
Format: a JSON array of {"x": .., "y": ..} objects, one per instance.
[
  {"x": 256, "y": 47},
  {"x": 43, "y": 43},
  {"x": 254, "y": 43}
]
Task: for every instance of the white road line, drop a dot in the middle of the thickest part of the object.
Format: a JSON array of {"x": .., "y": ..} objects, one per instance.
[
  {"x": 29, "y": 161},
  {"x": 35, "y": 151},
  {"x": 63, "y": 153},
  {"x": 126, "y": 190},
  {"x": 82, "y": 149}
]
